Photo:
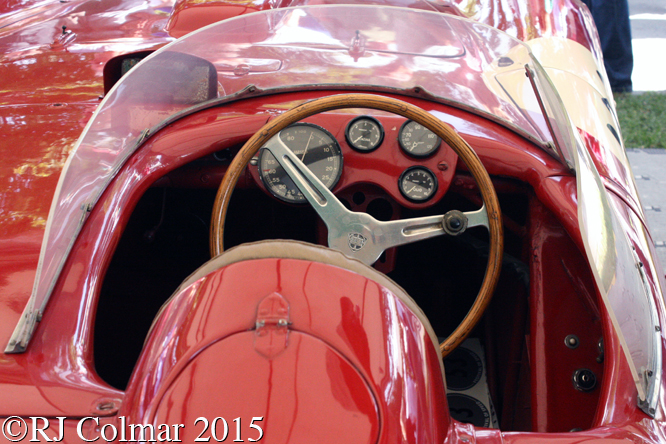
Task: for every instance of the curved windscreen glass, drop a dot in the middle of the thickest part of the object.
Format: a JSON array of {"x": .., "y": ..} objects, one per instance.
[{"x": 620, "y": 278}]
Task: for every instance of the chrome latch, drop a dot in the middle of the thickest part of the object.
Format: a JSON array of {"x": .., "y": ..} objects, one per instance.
[{"x": 271, "y": 335}]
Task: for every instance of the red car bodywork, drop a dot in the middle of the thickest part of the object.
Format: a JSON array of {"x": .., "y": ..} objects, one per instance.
[{"x": 53, "y": 81}]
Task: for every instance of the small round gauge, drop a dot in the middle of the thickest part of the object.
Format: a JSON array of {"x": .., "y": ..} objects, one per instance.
[
  {"x": 364, "y": 134},
  {"x": 417, "y": 184},
  {"x": 315, "y": 147},
  {"x": 417, "y": 140}
]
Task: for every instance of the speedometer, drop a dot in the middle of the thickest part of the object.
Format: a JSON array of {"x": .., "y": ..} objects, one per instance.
[{"x": 316, "y": 148}]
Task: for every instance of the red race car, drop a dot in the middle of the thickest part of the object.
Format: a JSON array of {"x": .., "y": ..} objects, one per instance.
[{"x": 310, "y": 221}]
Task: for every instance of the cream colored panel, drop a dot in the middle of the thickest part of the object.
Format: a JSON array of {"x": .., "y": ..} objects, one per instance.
[
  {"x": 587, "y": 110},
  {"x": 572, "y": 69},
  {"x": 570, "y": 56}
]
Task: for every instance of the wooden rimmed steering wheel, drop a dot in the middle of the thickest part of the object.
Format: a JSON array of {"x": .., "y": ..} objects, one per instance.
[{"x": 376, "y": 236}]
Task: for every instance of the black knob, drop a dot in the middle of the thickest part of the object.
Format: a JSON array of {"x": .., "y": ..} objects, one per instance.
[
  {"x": 454, "y": 223},
  {"x": 584, "y": 380}
]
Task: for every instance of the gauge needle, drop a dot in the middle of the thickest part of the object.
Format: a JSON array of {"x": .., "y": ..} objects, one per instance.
[{"x": 306, "y": 147}]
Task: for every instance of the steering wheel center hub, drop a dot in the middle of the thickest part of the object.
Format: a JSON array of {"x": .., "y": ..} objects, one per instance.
[{"x": 356, "y": 241}]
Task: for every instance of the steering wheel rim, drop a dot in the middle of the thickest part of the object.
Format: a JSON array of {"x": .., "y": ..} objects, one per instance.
[{"x": 444, "y": 131}]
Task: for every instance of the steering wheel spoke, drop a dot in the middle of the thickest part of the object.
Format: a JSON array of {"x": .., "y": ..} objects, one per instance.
[
  {"x": 405, "y": 231},
  {"x": 400, "y": 232},
  {"x": 394, "y": 233},
  {"x": 329, "y": 208},
  {"x": 478, "y": 218}
]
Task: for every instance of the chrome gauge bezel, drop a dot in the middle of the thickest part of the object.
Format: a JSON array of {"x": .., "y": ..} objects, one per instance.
[
  {"x": 406, "y": 193},
  {"x": 418, "y": 155},
  {"x": 270, "y": 185},
  {"x": 350, "y": 140}
]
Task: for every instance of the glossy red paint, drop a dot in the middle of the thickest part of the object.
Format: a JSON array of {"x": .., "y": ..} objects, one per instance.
[
  {"x": 173, "y": 147},
  {"x": 328, "y": 396},
  {"x": 190, "y": 15},
  {"x": 54, "y": 90},
  {"x": 56, "y": 377},
  {"x": 340, "y": 355},
  {"x": 527, "y": 20},
  {"x": 166, "y": 151},
  {"x": 561, "y": 305},
  {"x": 55, "y": 84},
  {"x": 69, "y": 346},
  {"x": 503, "y": 153},
  {"x": 523, "y": 20}
]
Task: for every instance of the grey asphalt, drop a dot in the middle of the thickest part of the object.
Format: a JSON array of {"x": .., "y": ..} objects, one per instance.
[{"x": 648, "y": 29}]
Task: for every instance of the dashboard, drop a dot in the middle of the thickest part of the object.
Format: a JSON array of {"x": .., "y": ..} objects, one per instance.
[{"x": 345, "y": 149}]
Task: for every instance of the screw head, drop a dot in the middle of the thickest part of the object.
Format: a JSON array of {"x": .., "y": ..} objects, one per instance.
[{"x": 571, "y": 341}]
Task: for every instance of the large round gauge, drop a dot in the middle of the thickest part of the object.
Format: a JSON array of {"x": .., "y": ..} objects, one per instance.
[
  {"x": 417, "y": 184},
  {"x": 316, "y": 148},
  {"x": 364, "y": 134},
  {"x": 417, "y": 140}
]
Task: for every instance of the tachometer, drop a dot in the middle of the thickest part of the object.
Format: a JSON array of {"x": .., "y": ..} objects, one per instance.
[
  {"x": 364, "y": 134},
  {"x": 316, "y": 148}
]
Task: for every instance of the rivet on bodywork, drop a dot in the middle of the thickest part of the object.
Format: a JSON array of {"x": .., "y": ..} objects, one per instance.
[{"x": 571, "y": 341}]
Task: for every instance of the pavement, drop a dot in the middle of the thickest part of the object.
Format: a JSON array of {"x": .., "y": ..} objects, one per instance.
[
  {"x": 648, "y": 31},
  {"x": 649, "y": 165}
]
